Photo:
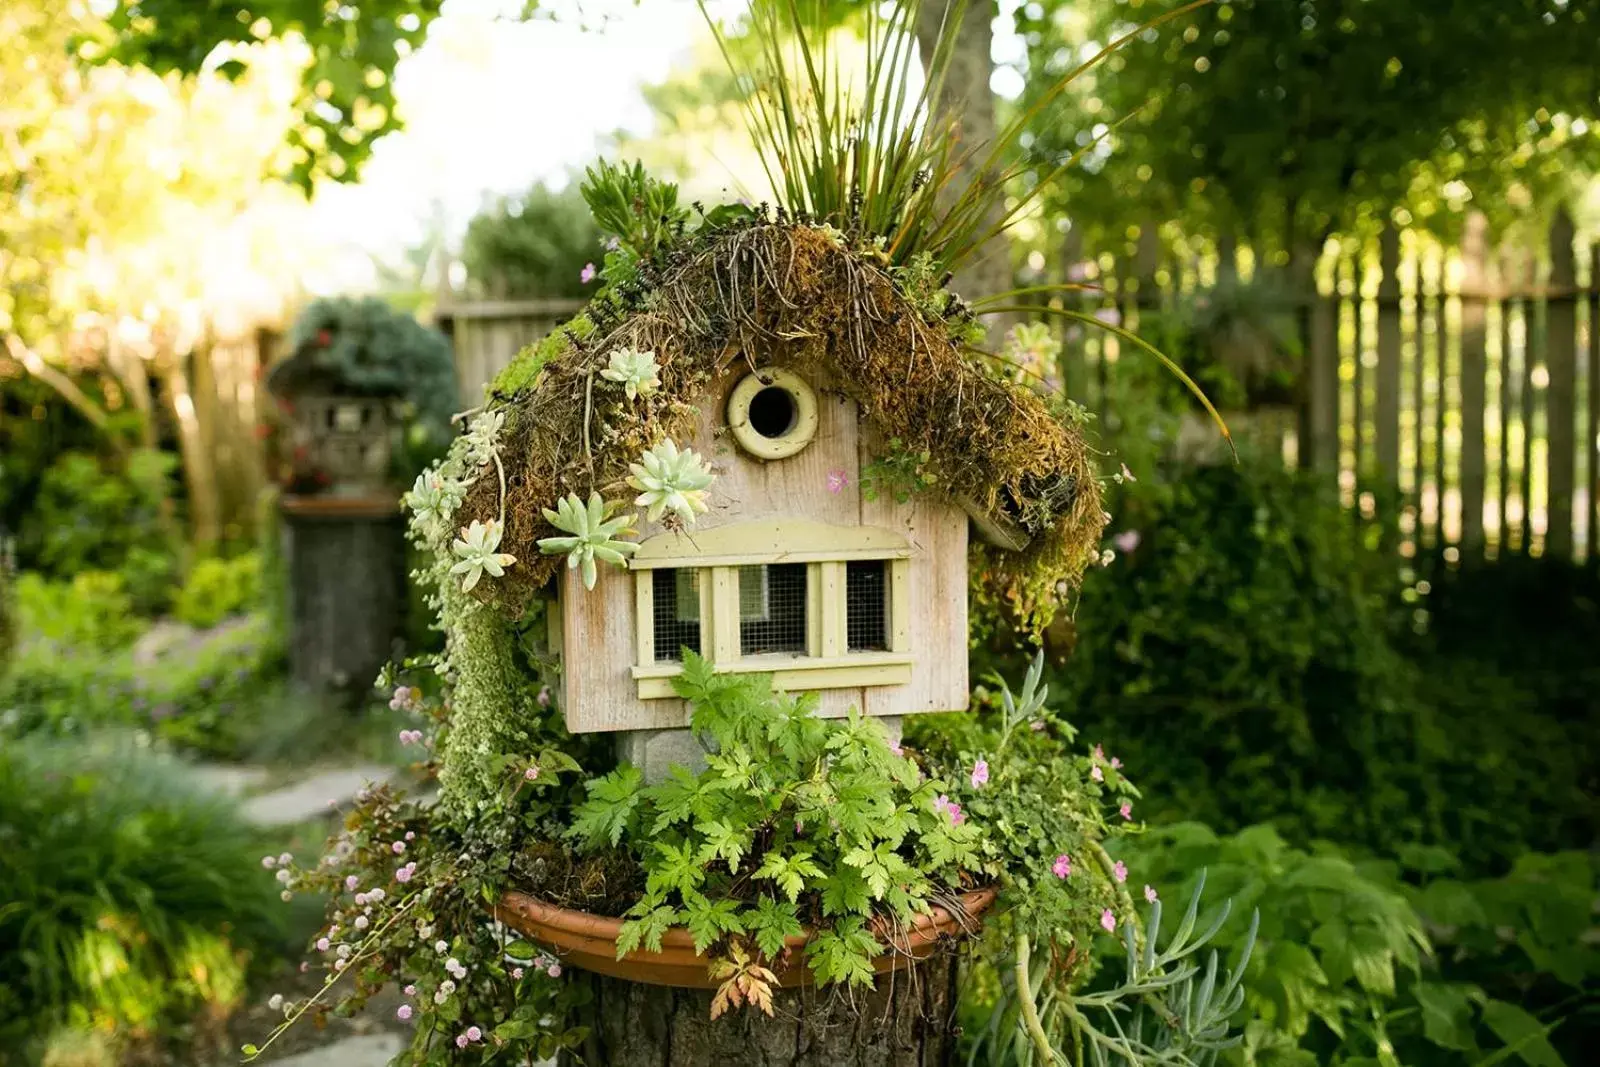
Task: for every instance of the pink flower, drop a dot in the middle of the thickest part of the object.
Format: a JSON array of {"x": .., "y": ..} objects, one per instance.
[
  {"x": 1126, "y": 811},
  {"x": 411, "y": 835},
  {"x": 1126, "y": 541},
  {"x": 403, "y": 1012},
  {"x": 895, "y": 747},
  {"x": 474, "y": 1034},
  {"x": 398, "y": 847},
  {"x": 1096, "y": 773},
  {"x": 586, "y": 275},
  {"x": 404, "y": 697},
  {"x": 949, "y": 807},
  {"x": 1120, "y": 870},
  {"x": 554, "y": 971},
  {"x": 516, "y": 974},
  {"x": 1108, "y": 921},
  {"x": 269, "y": 862},
  {"x": 1150, "y": 893},
  {"x": 403, "y": 875},
  {"x": 531, "y": 774},
  {"x": 410, "y": 737},
  {"x": 1062, "y": 866},
  {"x": 980, "y": 773},
  {"x": 837, "y": 480},
  {"x": 410, "y": 990},
  {"x": 1116, "y": 764},
  {"x": 1099, "y": 753},
  {"x": 323, "y": 944},
  {"x": 350, "y": 883},
  {"x": 461, "y": 1041}
]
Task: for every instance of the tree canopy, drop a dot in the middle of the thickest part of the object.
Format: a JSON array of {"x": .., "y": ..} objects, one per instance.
[
  {"x": 1303, "y": 115},
  {"x": 346, "y": 99}
]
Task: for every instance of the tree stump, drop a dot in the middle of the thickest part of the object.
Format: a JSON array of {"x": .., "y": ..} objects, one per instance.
[
  {"x": 908, "y": 1020},
  {"x": 345, "y": 559}
]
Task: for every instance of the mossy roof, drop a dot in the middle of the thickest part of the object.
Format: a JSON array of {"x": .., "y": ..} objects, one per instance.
[{"x": 798, "y": 297}]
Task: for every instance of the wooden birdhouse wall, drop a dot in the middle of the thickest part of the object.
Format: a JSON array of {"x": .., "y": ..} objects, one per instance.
[{"x": 815, "y": 493}]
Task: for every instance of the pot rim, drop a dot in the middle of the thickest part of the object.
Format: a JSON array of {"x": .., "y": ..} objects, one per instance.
[{"x": 590, "y": 926}]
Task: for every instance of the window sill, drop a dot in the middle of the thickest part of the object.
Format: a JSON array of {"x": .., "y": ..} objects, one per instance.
[{"x": 791, "y": 673}]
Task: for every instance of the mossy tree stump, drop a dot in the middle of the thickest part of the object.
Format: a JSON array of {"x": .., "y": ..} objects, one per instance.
[{"x": 907, "y": 1020}]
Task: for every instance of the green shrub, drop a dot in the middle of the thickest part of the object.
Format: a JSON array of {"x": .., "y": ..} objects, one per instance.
[
  {"x": 534, "y": 245},
  {"x": 218, "y": 588},
  {"x": 76, "y": 668},
  {"x": 93, "y": 514},
  {"x": 1355, "y": 965},
  {"x": 129, "y": 900},
  {"x": 1253, "y": 659}
]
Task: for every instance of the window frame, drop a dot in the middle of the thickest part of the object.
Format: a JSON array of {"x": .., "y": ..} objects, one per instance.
[{"x": 825, "y": 549}]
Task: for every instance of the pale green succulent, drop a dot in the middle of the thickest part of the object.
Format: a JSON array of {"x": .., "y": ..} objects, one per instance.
[
  {"x": 482, "y": 438},
  {"x": 593, "y": 535},
  {"x": 434, "y": 498},
  {"x": 636, "y": 371},
  {"x": 670, "y": 480},
  {"x": 1033, "y": 344},
  {"x": 477, "y": 549}
]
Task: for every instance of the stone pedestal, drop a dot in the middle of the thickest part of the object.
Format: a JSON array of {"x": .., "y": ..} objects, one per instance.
[{"x": 345, "y": 561}]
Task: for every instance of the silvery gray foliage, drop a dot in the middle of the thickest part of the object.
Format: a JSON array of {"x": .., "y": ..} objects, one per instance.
[{"x": 1168, "y": 1009}]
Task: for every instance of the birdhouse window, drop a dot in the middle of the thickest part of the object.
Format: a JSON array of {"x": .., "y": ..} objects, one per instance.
[
  {"x": 675, "y": 612},
  {"x": 817, "y": 606},
  {"x": 772, "y": 609},
  {"x": 866, "y": 613}
]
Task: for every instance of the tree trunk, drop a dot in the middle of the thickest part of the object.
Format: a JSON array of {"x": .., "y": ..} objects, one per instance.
[
  {"x": 907, "y": 1021},
  {"x": 969, "y": 99}
]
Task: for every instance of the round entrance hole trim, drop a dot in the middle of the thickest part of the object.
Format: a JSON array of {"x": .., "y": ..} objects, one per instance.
[
  {"x": 590, "y": 941},
  {"x": 757, "y": 404}
]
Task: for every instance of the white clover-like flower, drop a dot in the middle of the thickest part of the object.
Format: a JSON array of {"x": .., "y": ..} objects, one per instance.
[
  {"x": 477, "y": 549},
  {"x": 593, "y": 535},
  {"x": 482, "y": 437},
  {"x": 434, "y": 498},
  {"x": 637, "y": 372},
  {"x": 670, "y": 480}
]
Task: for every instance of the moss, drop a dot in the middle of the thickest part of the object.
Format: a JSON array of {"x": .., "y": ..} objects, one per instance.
[
  {"x": 523, "y": 371},
  {"x": 492, "y": 712},
  {"x": 802, "y": 300}
]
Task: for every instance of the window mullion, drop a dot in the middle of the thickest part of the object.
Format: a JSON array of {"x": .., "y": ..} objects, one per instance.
[
  {"x": 830, "y": 597},
  {"x": 644, "y": 610},
  {"x": 721, "y": 605}
]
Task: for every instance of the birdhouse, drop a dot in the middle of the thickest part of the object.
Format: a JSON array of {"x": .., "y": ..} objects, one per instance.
[
  {"x": 795, "y": 569},
  {"x": 838, "y": 461}
]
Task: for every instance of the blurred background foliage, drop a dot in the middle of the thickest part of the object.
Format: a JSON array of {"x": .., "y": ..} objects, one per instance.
[{"x": 1394, "y": 760}]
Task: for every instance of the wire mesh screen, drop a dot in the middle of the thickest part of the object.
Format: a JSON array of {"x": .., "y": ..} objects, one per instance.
[
  {"x": 772, "y": 608},
  {"x": 866, "y": 612},
  {"x": 677, "y": 612}
]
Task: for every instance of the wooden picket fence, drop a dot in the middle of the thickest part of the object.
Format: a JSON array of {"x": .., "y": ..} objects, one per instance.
[
  {"x": 1462, "y": 382},
  {"x": 487, "y": 335}
]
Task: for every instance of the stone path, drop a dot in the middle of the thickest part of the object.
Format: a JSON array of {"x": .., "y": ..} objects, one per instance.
[
  {"x": 366, "y": 1050},
  {"x": 311, "y": 797}
]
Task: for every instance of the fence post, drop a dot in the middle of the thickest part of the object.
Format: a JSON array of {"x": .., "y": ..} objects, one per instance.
[
  {"x": 1561, "y": 324},
  {"x": 1319, "y": 328},
  {"x": 1386, "y": 406},
  {"x": 1591, "y": 438},
  {"x": 1474, "y": 305}
]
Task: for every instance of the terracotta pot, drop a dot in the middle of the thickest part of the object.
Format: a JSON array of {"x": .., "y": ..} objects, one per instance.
[{"x": 590, "y": 941}]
